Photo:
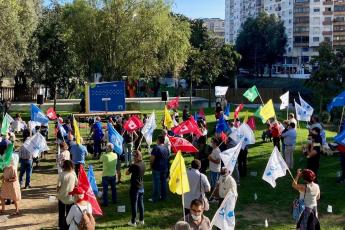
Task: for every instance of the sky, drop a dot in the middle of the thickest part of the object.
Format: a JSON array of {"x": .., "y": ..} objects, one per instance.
[{"x": 200, "y": 8}]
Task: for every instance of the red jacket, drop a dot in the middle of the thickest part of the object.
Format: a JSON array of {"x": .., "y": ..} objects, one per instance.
[{"x": 275, "y": 130}]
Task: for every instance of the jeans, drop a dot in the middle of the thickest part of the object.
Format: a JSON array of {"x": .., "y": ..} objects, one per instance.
[
  {"x": 242, "y": 162},
  {"x": 63, "y": 212},
  {"x": 213, "y": 179},
  {"x": 128, "y": 148},
  {"x": 106, "y": 181},
  {"x": 137, "y": 203},
  {"x": 25, "y": 167},
  {"x": 159, "y": 183}
]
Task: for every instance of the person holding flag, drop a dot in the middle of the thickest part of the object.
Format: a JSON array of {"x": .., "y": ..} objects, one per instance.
[{"x": 225, "y": 184}]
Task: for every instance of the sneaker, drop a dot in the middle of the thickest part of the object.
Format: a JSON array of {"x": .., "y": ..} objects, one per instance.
[
  {"x": 132, "y": 224},
  {"x": 141, "y": 222}
]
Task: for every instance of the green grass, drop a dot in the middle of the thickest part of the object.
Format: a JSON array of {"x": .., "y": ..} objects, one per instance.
[{"x": 272, "y": 203}]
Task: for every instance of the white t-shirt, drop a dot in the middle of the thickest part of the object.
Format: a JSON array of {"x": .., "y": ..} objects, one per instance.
[
  {"x": 215, "y": 156},
  {"x": 74, "y": 215}
]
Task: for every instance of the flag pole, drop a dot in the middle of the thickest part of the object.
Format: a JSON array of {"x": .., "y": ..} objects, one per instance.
[
  {"x": 287, "y": 112},
  {"x": 140, "y": 142},
  {"x": 184, "y": 215},
  {"x": 341, "y": 119}
]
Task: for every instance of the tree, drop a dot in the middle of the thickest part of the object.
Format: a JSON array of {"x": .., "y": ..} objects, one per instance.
[
  {"x": 230, "y": 59},
  {"x": 261, "y": 42}
]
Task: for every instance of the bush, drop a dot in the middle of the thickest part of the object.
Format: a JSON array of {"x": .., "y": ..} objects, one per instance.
[{"x": 325, "y": 117}]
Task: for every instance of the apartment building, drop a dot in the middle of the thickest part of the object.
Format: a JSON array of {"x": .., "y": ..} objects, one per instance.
[{"x": 215, "y": 26}]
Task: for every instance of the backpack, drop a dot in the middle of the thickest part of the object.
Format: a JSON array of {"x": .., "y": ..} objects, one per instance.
[{"x": 87, "y": 221}]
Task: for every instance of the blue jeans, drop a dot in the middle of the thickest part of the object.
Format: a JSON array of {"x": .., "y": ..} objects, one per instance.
[
  {"x": 106, "y": 181},
  {"x": 137, "y": 203},
  {"x": 159, "y": 183},
  {"x": 213, "y": 179},
  {"x": 128, "y": 148},
  {"x": 25, "y": 167}
]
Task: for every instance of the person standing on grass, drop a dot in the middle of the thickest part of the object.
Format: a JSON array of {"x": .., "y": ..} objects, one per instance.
[
  {"x": 136, "y": 191},
  {"x": 63, "y": 156},
  {"x": 203, "y": 153},
  {"x": 66, "y": 182},
  {"x": 275, "y": 133},
  {"x": 226, "y": 183},
  {"x": 26, "y": 160},
  {"x": 289, "y": 144},
  {"x": 159, "y": 161},
  {"x": 78, "y": 152},
  {"x": 215, "y": 162},
  {"x": 196, "y": 219},
  {"x": 313, "y": 152},
  {"x": 109, "y": 162},
  {"x": 97, "y": 136}
]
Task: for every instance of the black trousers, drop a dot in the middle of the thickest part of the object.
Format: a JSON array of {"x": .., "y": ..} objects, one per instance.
[
  {"x": 63, "y": 212},
  {"x": 242, "y": 162},
  {"x": 276, "y": 142}
]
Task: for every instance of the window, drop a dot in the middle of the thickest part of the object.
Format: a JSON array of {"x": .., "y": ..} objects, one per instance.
[
  {"x": 316, "y": 39},
  {"x": 301, "y": 19},
  {"x": 302, "y": 10},
  {"x": 328, "y": 19},
  {"x": 327, "y": 39},
  {"x": 339, "y": 19},
  {"x": 328, "y": 9},
  {"x": 300, "y": 29},
  {"x": 316, "y": 10},
  {"x": 339, "y": 8},
  {"x": 301, "y": 39},
  {"x": 305, "y": 49},
  {"x": 316, "y": 0},
  {"x": 339, "y": 28},
  {"x": 301, "y": 1}
]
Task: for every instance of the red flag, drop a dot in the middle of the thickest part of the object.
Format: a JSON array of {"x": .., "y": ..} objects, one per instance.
[
  {"x": 84, "y": 183},
  {"x": 51, "y": 114},
  {"x": 224, "y": 137},
  {"x": 133, "y": 123},
  {"x": 172, "y": 104},
  {"x": 237, "y": 110},
  {"x": 181, "y": 144},
  {"x": 251, "y": 123},
  {"x": 188, "y": 126}
]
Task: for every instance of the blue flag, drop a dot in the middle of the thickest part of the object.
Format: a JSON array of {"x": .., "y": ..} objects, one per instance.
[
  {"x": 338, "y": 101},
  {"x": 62, "y": 130},
  {"x": 37, "y": 115},
  {"x": 92, "y": 180},
  {"x": 340, "y": 138},
  {"x": 227, "y": 110},
  {"x": 115, "y": 138},
  {"x": 222, "y": 125}
]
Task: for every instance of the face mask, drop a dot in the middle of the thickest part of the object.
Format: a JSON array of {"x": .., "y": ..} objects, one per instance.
[{"x": 195, "y": 217}]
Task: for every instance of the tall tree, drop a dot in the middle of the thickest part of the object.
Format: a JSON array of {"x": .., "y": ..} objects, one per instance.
[{"x": 261, "y": 42}]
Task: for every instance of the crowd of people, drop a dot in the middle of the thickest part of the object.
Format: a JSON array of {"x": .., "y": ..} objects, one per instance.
[{"x": 204, "y": 188}]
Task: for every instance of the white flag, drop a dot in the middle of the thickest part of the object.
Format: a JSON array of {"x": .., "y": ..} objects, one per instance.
[
  {"x": 224, "y": 218},
  {"x": 285, "y": 100},
  {"x": 148, "y": 128},
  {"x": 276, "y": 167},
  {"x": 301, "y": 114},
  {"x": 36, "y": 144},
  {"x": 9, "y": 118},
  {"x": 306, "y": 106},
  {"x": 220, "y": 90},
  {"x": 229, "y": 157},
  {"x": 243, "y": 133}
]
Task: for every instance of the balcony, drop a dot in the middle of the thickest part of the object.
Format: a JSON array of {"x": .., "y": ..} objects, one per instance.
[
  {"x": 328, "y": 3},
  {"x": 326, "y": 32},
  {"x": 325, "y": 23},
  {"x": 327, "y": 13}
]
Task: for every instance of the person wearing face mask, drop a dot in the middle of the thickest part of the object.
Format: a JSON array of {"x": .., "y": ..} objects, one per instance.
[
  {"x": 313, "y": 151},
  {"x": 226, "y": 183},
  {"x": 196, "y": 219}
]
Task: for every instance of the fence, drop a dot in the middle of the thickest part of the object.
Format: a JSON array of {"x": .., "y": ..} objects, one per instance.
[
  {"x": 236, "y": 95},
  {"x": 18, "y": 93}
]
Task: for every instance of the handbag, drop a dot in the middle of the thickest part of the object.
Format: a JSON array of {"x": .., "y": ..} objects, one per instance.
[
  {"x": 203, "y": 198},
  {"x": 298, "y": 207}
]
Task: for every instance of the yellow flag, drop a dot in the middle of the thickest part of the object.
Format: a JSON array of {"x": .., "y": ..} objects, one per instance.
[
  {"x": 76, "y": 132},
  {"x": 178, "y": 182},
  {"x": 168, "y": 122},
  {"x": 245, "y": 117},
  {"x": 267, "y": 111}
]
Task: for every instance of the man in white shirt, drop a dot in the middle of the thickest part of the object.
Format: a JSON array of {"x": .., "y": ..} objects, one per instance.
[
  {"x": 226, "y": 183},
  {"x": 215, "y": 162}
]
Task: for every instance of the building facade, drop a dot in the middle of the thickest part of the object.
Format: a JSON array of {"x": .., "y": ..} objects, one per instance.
[{"x": 215, "y": 27}]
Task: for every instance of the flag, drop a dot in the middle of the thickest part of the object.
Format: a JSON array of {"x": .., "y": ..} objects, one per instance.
[
  {"x": 51, "y": 114},
  {"x": 173, "y": 104},
  {"x": 84, "y": 183},
  {"x": 220, "y": 91},
  {"x": 115, "y": 138},
  {"x": 245, "y": 119},
  {"x": 339, "y": 100},
  {"x": 181, "y": 144},
  {"x": 257, "y": 114},
  {"x": 224, "y": 218},
  {"x": 243, "y": 133},
  {"x": 6, "y": 121},
  {"x": 251, "y": 93},
  {"x": 188, "y": 126},
  {"x": 306, "y": 106},
  {"x": 168, "y": 122},
  {"x": 62, "y": 130},
  {"x": 267, "y": 111},
  {"x": 148, "y": 128},
  {"x": 6, "y": 158},
  {"x": 76, "y": 132},
  {"x": 276, "y": 167},
  {"x": 229, "y": 157},
  {"x": 340, "y": 138},
  {"x": 237, "y": 110},
  {"x": 301, "y": 114},
  {"x": 92, "y": 179},
  {"x": 224, "y": 137},
  {"x": 178, "y": 182},
  {"x": 37, "y": 115},
  {"x": 36, "y": 144},
  {"x": 227, "y": 110},
  {"x": 222, "y": 125},
  {"x": 251, "y": 123},
  {"x": 133, "y": 123},
  {"x": 285, "y": 100}
]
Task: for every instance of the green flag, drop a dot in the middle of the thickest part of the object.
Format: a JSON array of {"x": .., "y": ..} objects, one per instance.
[
  {"x": 5, "y": 159},
  {"x": 251, "y": 93},
  {"x": 5, "y": 125},
  {"x": 257, "y": 114}
]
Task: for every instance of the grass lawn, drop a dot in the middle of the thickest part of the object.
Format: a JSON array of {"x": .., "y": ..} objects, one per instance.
[{"x": 273, "y": 204}]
